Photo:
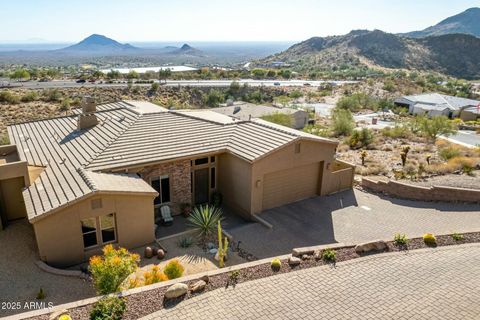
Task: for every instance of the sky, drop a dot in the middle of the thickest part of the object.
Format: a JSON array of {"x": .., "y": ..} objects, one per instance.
[{"x": 215, "y": 20}]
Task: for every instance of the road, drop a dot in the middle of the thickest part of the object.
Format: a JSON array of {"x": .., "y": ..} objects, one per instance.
[
  {"x": 173, "y": 83},
  {"x": 465, "y": 138},
  {"x": 439, "y": 283}
]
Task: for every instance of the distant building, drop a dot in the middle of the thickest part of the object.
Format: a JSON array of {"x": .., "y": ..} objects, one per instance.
[
  {"x": 435, "y": 104},
  {"x": 246, "y": 111}
]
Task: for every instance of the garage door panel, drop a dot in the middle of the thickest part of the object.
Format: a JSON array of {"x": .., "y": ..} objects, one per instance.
[{"x": 290, "y": 185}]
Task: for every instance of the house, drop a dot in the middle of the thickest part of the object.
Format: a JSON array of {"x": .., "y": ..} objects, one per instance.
[
  {"x": 435, "y": 104},
  {"x": 99, "y": 176},
  {"x": 246, "y": 111}
]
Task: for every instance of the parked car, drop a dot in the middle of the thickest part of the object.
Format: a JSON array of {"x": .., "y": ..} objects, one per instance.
[
  {"x": 276, "y": 83},
  {"x": 81, "y": 81},
  {"x": 307, "y": 84}
]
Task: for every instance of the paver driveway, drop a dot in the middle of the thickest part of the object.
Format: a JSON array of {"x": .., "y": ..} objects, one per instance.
[
  {"x": 423, "y": 284},
  {"x": 352, "y": 217}
]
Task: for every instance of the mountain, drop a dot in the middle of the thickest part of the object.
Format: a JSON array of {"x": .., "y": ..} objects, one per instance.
[
  {"x": 99, "y": 44},
  {"x": 467, "y": 22},
  {"x": 453, "y": 54},
  {"x": 186, "y": 50}
]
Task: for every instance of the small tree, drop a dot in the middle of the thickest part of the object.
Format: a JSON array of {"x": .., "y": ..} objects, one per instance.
[
  {"x": 343, "y": 123},
  {"x": 112, "y": 269},
  {"x": 214, "y": 98},
  {"x": 437, "y": 126}
]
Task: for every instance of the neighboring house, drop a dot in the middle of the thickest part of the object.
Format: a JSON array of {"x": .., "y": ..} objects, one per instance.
[
  {"x": 245, "y": 111},
  {"x": 435, "y": 104},
  {"x": 99, "y": 176}
]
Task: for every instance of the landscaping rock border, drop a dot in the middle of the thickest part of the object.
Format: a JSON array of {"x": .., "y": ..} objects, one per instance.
[
  {"x": 146, "y": 300},
  {"x": 61, "y": 272}
]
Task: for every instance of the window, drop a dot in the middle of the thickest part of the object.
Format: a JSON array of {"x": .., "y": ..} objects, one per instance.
[
  {"x": 201, "y": 161},
  {"x": 212, "y": 178},
  {"x": 162, "y": 186},
  {"x": 89, "y": 231},
  {"x": 107, "y": 226}
]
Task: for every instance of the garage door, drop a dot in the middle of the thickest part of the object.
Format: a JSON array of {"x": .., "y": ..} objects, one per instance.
[{"x": 290, "y": 185}]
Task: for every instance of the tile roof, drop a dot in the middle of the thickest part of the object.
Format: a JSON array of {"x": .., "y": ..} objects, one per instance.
[
  {"x": 245, "y": 111},
  {"x": 443, "y": 101},
  {"x": 128, "y": 137}
]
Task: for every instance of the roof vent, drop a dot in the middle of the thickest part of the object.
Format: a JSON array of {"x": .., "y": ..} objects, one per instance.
[
  {"x": 236, "y": 109},
  {"x": 88, "y": 118}
]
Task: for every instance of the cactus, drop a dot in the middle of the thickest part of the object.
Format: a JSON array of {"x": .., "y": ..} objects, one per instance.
[
  {"x": 222, "y": 247},
  {"x": 428, "y": 157},
  {"x": 363, "y": 155}
]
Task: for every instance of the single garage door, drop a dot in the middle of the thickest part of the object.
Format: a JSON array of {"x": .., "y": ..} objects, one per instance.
[{"x": 291, "y": 185}]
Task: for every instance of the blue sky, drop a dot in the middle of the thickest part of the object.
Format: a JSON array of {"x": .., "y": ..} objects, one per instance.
[{"x": 215, "y": 20}]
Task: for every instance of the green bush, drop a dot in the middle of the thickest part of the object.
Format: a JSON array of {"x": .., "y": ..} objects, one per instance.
[
  {"x": 276, "y": 264},
  {"x": 361, "y": 138},
  {"x": 396, "y": 132},
  {"x": 185, "y": 242},
  {"x": 109, "y": 308},
  {"x": 8, "y": 97},
  {"x": 29, "y": 96},
  {"x": 457, "y": 236},
  {"x": 449, "y": 152},
  {"x": 329, "y": 255},
  {"x": 279, "y": 118},
  {"x": 343, "y": 123},
  {"x": 400, "y": 239},
  {"x": 173, "y": 269}
]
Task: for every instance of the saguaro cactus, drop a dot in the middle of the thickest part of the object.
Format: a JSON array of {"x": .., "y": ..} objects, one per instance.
[{"x": 222, "y": 247}]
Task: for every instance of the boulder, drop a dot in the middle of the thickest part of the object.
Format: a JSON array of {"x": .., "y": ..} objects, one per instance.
[
  {"x": 317, "y": 255},
  {"x": 198, "y": 286},
  {"x": 205, "y": 278},
  {"x": 177, "y": 290},
  {"x": 160, "y": 254},
  {"x": 305, "y": 257},
  {"x": 377, "y": 245},
  {"x": 294, "y": 261},
  {"x": 148, "y": 252}
]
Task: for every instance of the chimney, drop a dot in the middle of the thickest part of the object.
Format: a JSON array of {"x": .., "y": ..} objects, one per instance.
[{"x": 88, "y": 118}]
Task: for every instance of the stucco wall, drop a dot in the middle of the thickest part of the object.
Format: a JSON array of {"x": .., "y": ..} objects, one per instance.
[
  {"x": 286, "y": 158},
  {"x": 180, "y": 181},
  {"x": 435, "y": 193},
  {"x": 59, "y": 236},
  {"x": 234, "y": 182}
]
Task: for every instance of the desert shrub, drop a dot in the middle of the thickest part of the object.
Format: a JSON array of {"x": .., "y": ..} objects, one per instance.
[
  {"x": 436, "y": 126},
  {"x": 204, "y": 221},
  {"x": 276, "y": 264},
  {"x": 173, "y": 269},
  {"x": 361, "y": 138},
  {"x": 457, "y": 236},
  {"x": 41, "y": 294},
  {"x": 8, "y": 97},
  {"x": 29, "y": 96},
  {"x": 358, "y": 101},
  {"x": 329, "y": 255},
  {"x": 154, "y": 276},
  {"x": 449, "y": 152},
  {"x": 397, "y": 132},
  {"x": 410, "y": 169},
  {"x": 185, "y": 242},
  {"x": 372, "y": 169},
  {"x": 429, "y": 239},
  {"x": 52, "y": 95},
  {"x": 4, "y": 139},
  {"x": 343, "y": 123},
  {"x": 279, "y": 118},
  {"x": 109, "y": 308},
  {"x": 110, "y": 270},
  {"x": 400, "y": 239},
  {"x": 317, "y": 130}
]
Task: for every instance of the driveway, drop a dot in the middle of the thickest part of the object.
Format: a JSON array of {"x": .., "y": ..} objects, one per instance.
[
  {"x": 350, "y": 217},
  {"x": 21, "y": 279},
  {"x": 437, "y": 283},
  {"x": 465, "y": 138}
]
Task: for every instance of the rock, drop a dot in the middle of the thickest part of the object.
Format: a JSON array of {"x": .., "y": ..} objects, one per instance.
[
  {"x": 305, "y": 257},
  {"x": 377, "y": 245},
  {"x": 160, "y": 254},
  {"x": 148, "y": 252},
  {"x": 317, "y": 255},
  {"x": 205, "y": 278},
  {"x": 177, "y": 290},
  {"x": 55, "y": 315},
  {"x": 213, "y": 251},
  {"x": 210, "y": 245},
  {"x": 294, "y": 261},
  {"x": 198, "y": 286}
]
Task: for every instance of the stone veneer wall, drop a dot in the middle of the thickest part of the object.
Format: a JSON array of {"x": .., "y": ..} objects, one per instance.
[
  {"x": 435, "y": 193},
  {"x": 180, "y": 181}
]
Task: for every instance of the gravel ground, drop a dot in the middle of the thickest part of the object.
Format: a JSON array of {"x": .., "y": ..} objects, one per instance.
[
  {"x": 452, "y": 180},
  {"x": 143, "y": 304},
  {"x": 21, "y": 279}
]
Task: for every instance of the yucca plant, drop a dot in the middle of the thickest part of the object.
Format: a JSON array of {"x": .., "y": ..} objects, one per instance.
[{"x": 204, "y": 220}]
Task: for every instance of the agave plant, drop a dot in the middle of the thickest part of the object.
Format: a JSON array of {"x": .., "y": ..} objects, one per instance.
[{"x": 204, "y": 220}]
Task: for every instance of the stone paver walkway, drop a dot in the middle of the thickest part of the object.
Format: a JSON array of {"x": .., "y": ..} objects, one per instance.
[
  {"x": 352, "y": 217},
  {"x": 438, "y": 283}
]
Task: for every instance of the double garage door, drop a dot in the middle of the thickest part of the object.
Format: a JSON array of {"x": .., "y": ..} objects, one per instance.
[{"x": 291, "y": 185}]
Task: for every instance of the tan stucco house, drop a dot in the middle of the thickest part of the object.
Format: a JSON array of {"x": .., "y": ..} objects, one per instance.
[{"x": 96, "y": 177}]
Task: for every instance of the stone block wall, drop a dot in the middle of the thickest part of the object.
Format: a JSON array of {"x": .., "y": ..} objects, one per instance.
[
  {"x": 180, "y": 181},
  {"x": 435, "y": 193}
]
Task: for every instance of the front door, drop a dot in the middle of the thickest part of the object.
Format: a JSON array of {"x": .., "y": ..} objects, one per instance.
[{"x": 201, "y": 186}]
